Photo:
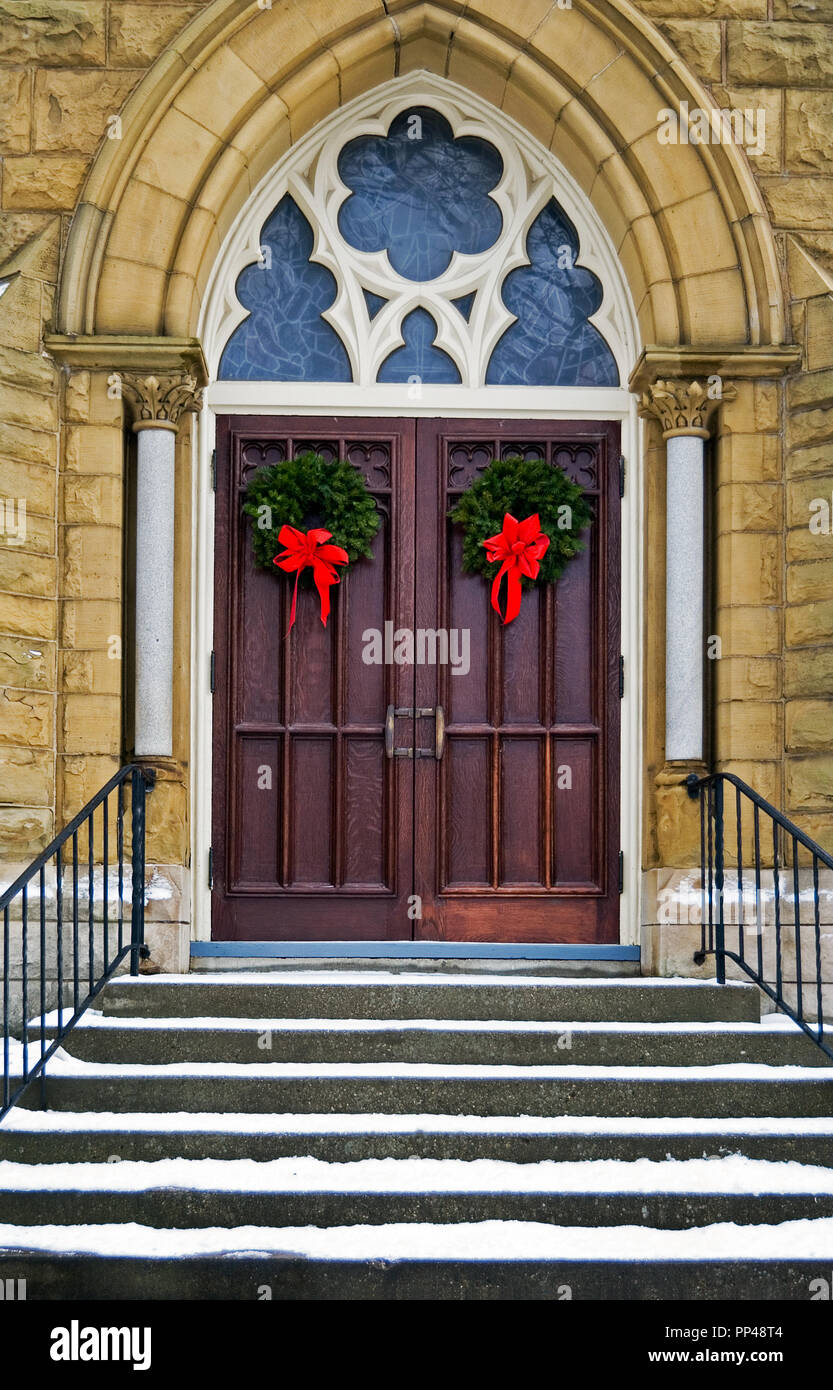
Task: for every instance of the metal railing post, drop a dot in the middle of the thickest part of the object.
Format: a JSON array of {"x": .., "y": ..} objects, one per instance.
[
  {"x": 16, "y": 1079},
  {"x": 719, "y": 942},
  {"x": 137, "y": 857},
  {"x": 713, "y": 836}
]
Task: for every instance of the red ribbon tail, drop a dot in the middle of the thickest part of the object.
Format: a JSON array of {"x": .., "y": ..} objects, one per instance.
[
  {"x": 294, "y": 600},
  {"x": 323, "y": 580},
  {"x": 513, "y": 594},
  {"x": 513, "y": 590},
  {"x": 496, "y": 586}
]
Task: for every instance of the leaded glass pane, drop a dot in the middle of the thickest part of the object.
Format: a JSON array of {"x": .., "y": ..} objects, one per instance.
[
  {"x": 419, "y": 194},
  {"x": 419, "y": 358},
  {"x": 284, "y": 337},
  {"x": 552, "y": 344},
  {"x": 465, "y": 304},
  {"x": 374, "y": 303}
]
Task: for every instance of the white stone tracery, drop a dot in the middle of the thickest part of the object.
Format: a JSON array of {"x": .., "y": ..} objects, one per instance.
[{"x": 309, "y": 174}]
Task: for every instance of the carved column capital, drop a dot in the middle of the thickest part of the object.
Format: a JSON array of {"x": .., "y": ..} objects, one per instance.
[
  {"x": 684, "y": 407},
  {"x": 159, "y": 402}
]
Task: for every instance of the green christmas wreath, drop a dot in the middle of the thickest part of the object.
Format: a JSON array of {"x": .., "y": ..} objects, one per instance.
[
  {"x": 522, "y": 487},
  {"x": 308, "y": 491}
]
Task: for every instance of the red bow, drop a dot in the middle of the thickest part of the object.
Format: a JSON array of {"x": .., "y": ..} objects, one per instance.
[
  {"x": 520, "y": 546},
  {"x": 310, "y": 549}
]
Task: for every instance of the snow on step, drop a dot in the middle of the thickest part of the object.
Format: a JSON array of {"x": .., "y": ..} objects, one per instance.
[
  {"x": 209, "y": 1122},
  {"x": 467, "y": 1241},
  {"x": 734, "y": 1174},
  {"x": 774, "y": 1023},
  {"x": 375, "y": 977},
  {"x": 64, "y": 1064}
]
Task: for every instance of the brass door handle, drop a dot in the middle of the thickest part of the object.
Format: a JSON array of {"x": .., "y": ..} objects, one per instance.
[
  {"x": 393, "y": 712},
  {"x": 439, "y": 732}
]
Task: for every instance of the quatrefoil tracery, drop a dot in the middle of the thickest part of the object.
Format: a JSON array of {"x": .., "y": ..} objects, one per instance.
[{"x": 369, "y": 342}]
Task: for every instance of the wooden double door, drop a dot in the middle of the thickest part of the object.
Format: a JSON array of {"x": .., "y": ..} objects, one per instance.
[{"x": 470, "y": 793}]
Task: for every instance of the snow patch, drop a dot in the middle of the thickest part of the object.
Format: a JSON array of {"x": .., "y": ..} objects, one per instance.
[
  {"x": 733, "y": 1174},
  {"x": 386, "y": 977},
  {"x": 63, "y": 1064},
  {"x": 207, "y": 1122},
  {"x": 467, "y": 1241},
  {"x": 774, "y": 1023}
]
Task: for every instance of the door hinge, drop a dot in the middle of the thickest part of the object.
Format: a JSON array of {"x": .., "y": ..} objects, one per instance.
[
  {"x": 211, "y": 866},
  {"x": 212, "y": 672},
  {"x": 621, "y": 475},
  {"x": 213, "y": 470},
  {"x": 621, "y": 871},
  {"x": 621, "y": 677}
]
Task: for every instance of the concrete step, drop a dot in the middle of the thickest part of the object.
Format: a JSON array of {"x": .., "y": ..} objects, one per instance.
[
  {"x": 99, "y": 1038},
  {"x": 483, "y": 1262},
  {"x": 592, "y": 968},
  {"x": 401, "y": 1088},
  {"x": 32, "y": 1136},
  {"x": 367, "y": 995},
  {"x": 189, "y": 1194},
  {"x": 422, "y": 1132}
]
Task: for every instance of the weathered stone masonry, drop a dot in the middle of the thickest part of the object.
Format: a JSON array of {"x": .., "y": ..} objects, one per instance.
[{"x": 235, "y": 84}]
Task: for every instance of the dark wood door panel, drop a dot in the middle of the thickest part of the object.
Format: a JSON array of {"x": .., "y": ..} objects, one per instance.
[
  {"x": 513, "y": 835},
  {"x": 517, "y": 828},
  {"x": 312, "y": 823}
]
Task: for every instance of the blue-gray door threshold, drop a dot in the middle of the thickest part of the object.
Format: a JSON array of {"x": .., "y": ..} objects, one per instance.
[{"x": 436, "y": 950}]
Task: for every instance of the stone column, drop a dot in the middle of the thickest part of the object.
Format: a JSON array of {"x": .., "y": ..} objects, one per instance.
[
  {"x": 157, "y": 405},
  {"x": 683, "y": 409}
]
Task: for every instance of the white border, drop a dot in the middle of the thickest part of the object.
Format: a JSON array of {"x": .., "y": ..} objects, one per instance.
[{"x": 616, "y": 318}]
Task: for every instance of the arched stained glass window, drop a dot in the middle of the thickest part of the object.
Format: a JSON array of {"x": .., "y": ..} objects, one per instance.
[{"x": 419, "y": 250}]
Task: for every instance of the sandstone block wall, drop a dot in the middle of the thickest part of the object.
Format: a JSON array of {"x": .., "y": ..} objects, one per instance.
[
  {"x": 67, "y": 67},
  {"x": 773, "y": 682}
]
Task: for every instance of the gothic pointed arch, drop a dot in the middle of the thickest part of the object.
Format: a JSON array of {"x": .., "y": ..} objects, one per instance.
[{"x": 241, "y": 84}]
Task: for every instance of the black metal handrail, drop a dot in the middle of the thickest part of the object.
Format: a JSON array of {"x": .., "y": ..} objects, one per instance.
[
  {"x": 64, "y": 984},
  {"x": 749, "y": 899}
]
